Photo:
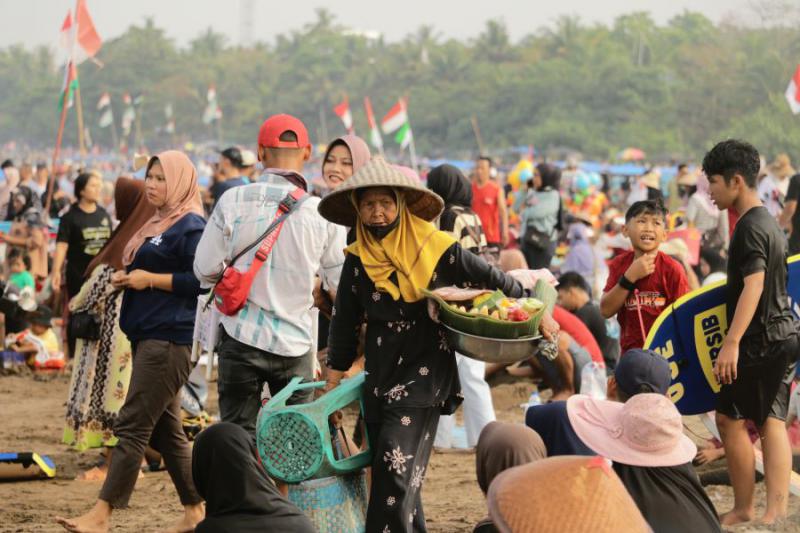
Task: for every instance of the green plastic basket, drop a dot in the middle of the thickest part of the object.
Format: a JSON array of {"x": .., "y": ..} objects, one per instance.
[{"x": 485, "y": 326}]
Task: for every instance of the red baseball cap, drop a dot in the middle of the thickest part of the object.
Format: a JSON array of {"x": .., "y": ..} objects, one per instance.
[{"x": 276, "y": 125}]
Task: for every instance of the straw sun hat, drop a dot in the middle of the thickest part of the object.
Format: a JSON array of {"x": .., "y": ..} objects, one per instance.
[
  {"x": 563, "y": 494},
  {"x": 337, "y": 207}
]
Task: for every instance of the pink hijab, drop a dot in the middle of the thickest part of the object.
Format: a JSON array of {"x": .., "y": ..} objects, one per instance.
[
  {"x": 183, "y": 197},
  {"x": 359, "y": 151}
]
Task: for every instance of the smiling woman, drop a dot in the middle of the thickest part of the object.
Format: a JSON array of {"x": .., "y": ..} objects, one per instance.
[{"x": 345, "y": 155}]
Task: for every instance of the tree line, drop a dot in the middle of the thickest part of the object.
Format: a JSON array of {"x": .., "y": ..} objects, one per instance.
[{"x": 671, "y": 89}]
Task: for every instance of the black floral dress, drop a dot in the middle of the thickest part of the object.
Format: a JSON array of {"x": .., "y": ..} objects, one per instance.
[{"x": 411, "y": 377}]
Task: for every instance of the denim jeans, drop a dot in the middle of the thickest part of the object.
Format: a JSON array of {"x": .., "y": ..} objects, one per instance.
[{"x": 243, "y": 371}]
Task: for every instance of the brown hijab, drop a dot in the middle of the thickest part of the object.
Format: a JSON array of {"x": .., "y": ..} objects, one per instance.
[
  {"x": 183, "y": 197},
  {"x": 133, "y": 210},
  {"x": 502, "y": 446}
]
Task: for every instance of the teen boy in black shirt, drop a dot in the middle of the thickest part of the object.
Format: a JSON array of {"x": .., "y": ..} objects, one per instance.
[{"x": 756, "y": 361}]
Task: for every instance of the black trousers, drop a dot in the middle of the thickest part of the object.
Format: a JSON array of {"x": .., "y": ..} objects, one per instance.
[
  {"x": 243, "y": 371},
  {"x": 401, "y": 445}
]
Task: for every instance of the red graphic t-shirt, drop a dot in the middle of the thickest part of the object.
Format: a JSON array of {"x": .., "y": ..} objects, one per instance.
[
  {"x": 655, "y": 292},
  {"x": 484, "y": 204}
]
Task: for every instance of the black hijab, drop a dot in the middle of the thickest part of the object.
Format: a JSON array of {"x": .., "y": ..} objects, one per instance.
[
  {"x": 670, "y": 498},
  {"x": 239, "y": 495},
  {"x": 31, "y": 211},
  {"x": 449, "y": 183}
]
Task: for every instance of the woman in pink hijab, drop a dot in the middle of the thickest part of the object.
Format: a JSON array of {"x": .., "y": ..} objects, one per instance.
[
  {"x": 157, "y": 315},
  {"x": 344, "y": 156}
]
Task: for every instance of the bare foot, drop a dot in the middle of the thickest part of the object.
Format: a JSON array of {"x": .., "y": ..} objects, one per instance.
[
  {"x": 193, "y": 515},
  {"x": 734, "y": 516},
  {"x": 771, "y": 520},
  {"x": 709, "y": 455},
  {"x": 88, "y": 523},
  {"x": 519, "y": 370},
  {"x": 97, "y": 473}
]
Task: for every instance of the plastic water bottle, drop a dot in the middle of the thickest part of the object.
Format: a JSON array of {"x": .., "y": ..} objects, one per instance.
[
  {"x": 533, "y": 400},
  {"x": 593, "y": 380}
]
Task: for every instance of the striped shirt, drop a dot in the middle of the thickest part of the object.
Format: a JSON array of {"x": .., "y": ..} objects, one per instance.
[
  {"x": 277, "y": 315},
  {"x": 468, "y": 230}
]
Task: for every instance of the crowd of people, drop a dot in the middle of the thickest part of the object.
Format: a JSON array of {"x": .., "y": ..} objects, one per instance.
[{"x": 360, "y": 245}]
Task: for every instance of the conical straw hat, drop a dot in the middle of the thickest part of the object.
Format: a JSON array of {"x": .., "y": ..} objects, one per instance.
[{"x": 420, "y": 201}]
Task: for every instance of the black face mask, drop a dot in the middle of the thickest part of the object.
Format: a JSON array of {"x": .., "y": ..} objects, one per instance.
[{"x": 379, "y": 232}]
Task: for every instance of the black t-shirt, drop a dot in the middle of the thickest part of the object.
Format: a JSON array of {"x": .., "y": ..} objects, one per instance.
[
  {"x": 85, "y": 233},
  {"x": 590, "y": 315},
  {"x": 794, "y": 194},
  {"x": 759, "y": 245}
]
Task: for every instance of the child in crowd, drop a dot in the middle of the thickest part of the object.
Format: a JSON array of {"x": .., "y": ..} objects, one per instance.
[
  {"x": 642, "y": 282},
  {"x": 39, "y": 343},
  {"x": 19, "y": 266},
  {"x": 756, "y": 361},
  {"x": 713, "y": 265},
  {"x": 574, "y": 295}
]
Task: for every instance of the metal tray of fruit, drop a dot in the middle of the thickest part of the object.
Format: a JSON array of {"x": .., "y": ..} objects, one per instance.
[
  {"x": 492, "y": 350},
  {"x": 483, "y": 324}
]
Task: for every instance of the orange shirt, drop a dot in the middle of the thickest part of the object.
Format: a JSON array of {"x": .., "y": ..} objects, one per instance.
[{"x": 484, "y": 204}]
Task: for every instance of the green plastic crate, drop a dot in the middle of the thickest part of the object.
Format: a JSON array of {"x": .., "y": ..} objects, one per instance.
[{"x": 484, "y": 326}]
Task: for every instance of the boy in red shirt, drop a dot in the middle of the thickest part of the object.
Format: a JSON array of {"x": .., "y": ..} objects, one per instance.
[{"x": 642, "y": 282}]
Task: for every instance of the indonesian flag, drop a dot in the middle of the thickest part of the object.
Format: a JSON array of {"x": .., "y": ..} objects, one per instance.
[
  {"x": 212, "y": 111},
  {"x": 129, "y": 115},
  {"x": 107, "y": 118},
  {"x": 793, "y": 92},
  {"x": 105, "y": 100},
  {"x": 69, "y": 85},
  {"x": 170, "y": 126},
  {"x": 374, "y": 133},
  {"x": 343, "y": 112},
  {"x": 396, "y": 118},
  {"x": 79, "y": 38}
]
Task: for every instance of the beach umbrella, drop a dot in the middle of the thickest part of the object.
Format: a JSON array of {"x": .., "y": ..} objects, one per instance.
[{"x": 631, "y": 154}]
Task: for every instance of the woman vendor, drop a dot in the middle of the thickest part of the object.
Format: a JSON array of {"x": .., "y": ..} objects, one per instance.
[{"x": 411, "y": 375}]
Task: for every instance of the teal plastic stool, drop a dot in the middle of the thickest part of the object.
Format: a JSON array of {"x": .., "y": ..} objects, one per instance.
[{"x": 294, "y": 441}]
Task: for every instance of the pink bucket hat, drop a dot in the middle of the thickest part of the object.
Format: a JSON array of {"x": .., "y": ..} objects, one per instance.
[{"x": 644, "y": 431}]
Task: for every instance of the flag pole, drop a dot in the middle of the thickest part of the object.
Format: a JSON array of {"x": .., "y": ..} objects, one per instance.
[
  {"x": 114, "y": 134},
  {"x": 477, "y": 131},
  {"x": 412, "y": 149},
  {"x": 56, "y": 150},
  {"x": 138, "y": 141},
  {"x": 323, "y": 124},
  {"x": 79, "y": 110}
]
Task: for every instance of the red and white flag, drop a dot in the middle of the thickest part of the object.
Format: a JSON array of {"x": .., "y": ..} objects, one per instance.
[
  {"x": 79, "y": 38},
  {"x": 343, "y": 112},
  {"x": 793, "y": 92},
  {"x": 105, "y": 99},
  {"x": 375, "y": 137},
  {"x": 396, "y": 118}
]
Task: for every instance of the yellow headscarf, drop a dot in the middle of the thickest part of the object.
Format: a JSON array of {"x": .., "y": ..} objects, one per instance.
[{"x": 412, "y": 249}]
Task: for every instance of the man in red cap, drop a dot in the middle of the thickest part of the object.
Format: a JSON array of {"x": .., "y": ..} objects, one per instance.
[{"x": 269, "y": 341}]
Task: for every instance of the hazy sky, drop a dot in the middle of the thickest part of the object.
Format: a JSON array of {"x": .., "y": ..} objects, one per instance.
[{"x": 36, "y": 22}]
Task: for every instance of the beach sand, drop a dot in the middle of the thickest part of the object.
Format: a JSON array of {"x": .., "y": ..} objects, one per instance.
[{"x": 31, "y": 419}]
